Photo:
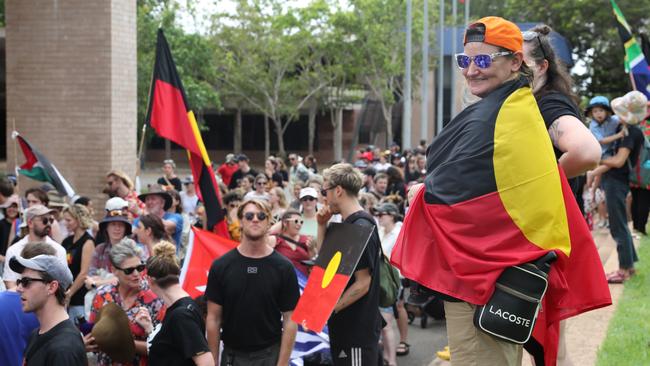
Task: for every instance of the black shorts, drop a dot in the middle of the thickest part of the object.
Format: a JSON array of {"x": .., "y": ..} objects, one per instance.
[{"x": 355, "y": 356}]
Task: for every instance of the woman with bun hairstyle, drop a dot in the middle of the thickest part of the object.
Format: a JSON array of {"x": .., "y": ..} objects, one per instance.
[{"x": 180, "y": 338}]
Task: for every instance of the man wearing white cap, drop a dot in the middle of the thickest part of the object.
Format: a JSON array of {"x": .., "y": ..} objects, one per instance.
[
  {"x": 39, "y": 221},
  {"x": 42, "y": 285}
]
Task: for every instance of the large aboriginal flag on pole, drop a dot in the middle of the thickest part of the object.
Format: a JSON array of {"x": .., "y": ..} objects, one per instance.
[
  {"x": 341, "y": 250},
  {"x": 494, "y": 197},
  {"x": 171, "y": 117},
  {"x": 635, "y": 60},
  {"x": 203, "y": 248}
]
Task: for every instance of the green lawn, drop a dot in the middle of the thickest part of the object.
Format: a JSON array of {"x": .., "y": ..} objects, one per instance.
[{"x": 628, "y": 334}]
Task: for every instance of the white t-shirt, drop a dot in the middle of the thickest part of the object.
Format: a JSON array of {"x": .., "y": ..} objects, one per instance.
[
  {"x": 189, "y": 202},
  {"x": 388, "y": 239},
  {"x": 16, "y": 249}
]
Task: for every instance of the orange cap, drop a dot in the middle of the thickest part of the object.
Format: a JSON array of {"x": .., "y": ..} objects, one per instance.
[{"x": 495, "y": 31}]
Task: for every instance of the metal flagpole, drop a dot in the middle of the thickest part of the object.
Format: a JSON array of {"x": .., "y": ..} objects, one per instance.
[
  {"x": 424, "y": 117},
  {"x": 441, "y": 67},
  {"x": 406, "y": 116}
]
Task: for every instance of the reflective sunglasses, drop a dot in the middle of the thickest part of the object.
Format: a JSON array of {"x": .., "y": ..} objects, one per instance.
[
  {"x": 113, "y": 213},
  {"x": 26, "y": 281},
  {"x": 529, "y": 36},
  {"x": 47, "y": 220},
  {"x": 481, "y": 61},
  {"x": 249, "y": 216},
  {"x": 127, "y": 271}
]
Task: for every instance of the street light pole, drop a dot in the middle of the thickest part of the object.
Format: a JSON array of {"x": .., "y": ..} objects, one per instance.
[
  {"x": 406, "y": 116},
  {"x": 441, "y": 67},
  {"x": 424, "y": 117}
]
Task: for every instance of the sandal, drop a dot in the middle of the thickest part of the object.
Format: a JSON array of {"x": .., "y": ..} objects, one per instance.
[
  {"x": 617, "y": 278},
  {"x": 403, "y": 349}
]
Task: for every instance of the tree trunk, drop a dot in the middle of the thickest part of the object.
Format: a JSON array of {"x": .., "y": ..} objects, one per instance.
[
  {"x": 388, "y": 116},
  {"x": 267, "y": 137},
  {"x": 312, "y": 127},
  {"x": 278, "y": 129},
  {"x": 338, "y": 134},
  {"x": 168, "y": 149},
  {"x": 237, "y": 134}
]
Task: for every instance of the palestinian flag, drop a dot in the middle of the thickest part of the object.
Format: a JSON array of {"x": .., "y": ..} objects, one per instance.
[
  {"x": 495, "y": 197},
  {"x": 635, "y": 61},
  {"x": 38, "y": 167},
  {"x": 341, "y": 250},
  {"x": 202, "y": 249},
  {"x": 170, "y": 115}
]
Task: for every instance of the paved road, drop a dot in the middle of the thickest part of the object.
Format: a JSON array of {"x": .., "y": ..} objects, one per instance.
[{"x": 424, "y": 342}]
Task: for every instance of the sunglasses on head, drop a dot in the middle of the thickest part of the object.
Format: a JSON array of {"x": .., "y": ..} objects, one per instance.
[
  {"x": 127, "y": 271},
  {"x": 529, "y": 36},
  {"x": 47, "y": 220},
  {"x": 249, "y": 216},
  {"x": 26, "y": 281},
  {"x": 481, "y": 61},
  {"x": 113, "y": 213},
  {"x": 308, "y": 198}
]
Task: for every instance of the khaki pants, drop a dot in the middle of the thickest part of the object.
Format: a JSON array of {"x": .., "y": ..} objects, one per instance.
[{"x": 469, "y": 346}]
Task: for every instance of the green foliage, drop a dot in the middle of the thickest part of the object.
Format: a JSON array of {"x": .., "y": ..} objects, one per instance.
[
  {"x": 2, "y": 13},
  {"x": 628, "y": 334},
  {"x": 192, "y": 55},
  {"x": 589, "y": 26}
]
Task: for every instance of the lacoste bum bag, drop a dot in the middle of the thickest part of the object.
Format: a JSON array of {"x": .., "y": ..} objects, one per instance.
[{"x": 511, "y": 312}]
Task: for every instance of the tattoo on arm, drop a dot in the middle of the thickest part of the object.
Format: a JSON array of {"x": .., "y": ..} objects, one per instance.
[{"x": 555, "y": 132}]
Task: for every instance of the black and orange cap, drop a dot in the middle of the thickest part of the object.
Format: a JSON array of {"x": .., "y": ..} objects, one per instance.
[{"x": 495, "y": 31}]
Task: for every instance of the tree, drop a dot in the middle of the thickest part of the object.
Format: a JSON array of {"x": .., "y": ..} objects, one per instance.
[
  {"x": 590, "y": 28},
  {"x": 267, "y": 56}
]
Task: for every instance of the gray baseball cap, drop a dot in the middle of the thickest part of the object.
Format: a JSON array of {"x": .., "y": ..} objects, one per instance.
[{"x": 49, "y": 264}]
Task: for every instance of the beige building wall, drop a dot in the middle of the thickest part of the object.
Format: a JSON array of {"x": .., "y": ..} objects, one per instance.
[{"x": 71, "y": 86}]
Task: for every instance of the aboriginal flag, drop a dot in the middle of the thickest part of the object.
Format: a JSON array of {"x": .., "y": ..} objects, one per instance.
[
  {"x": 341, "y": 250},
  {"x": 494, "y": 197},
  {"x": 171, "y": 117}
]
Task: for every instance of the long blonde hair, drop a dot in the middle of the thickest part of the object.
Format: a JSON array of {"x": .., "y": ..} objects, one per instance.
[{"x": 282, "y": 198}]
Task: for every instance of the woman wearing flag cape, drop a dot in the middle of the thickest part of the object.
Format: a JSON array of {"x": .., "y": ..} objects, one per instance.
[{"x": 494, "y": 197}]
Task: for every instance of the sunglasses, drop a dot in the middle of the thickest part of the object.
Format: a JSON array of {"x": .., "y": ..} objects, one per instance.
[
  {"x": 127, "y": 271},
  {"x": 481, "y": 61},
  {"x": 249, "y": 216},
  {"x": 47, "y": 220},
  {"x": 26, "y": 281},
  {"x": 114, "y": 213},
  {"x": 308, "y": 198},
  {"x": 530, "y": 35},
  {"x": 296, "y": 221},
  {"x": 261, "y": 183},
  {"x": 323, "y": 192}
]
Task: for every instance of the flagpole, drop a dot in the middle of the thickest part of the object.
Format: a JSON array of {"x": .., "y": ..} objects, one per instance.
[
  {"x": 13, "y": 121},
  {"x": 632, "y": 80}
]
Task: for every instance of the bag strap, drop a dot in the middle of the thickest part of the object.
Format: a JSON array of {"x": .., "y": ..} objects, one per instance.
[{"x": 366, "y": 216}]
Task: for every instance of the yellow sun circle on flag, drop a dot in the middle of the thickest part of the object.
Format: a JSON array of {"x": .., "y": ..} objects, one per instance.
[{"x": 331, "y": 269}]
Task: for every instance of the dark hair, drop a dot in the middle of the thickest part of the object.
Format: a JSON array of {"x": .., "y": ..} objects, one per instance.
[
  {"x": 175, "y": 195},
  {"x": 6, "y": 187},
  {"x": 163, "y": 266},
  {"x": 82, "y": 200},
  {"x": 31, "y": 250},
  {"x": 287, "y": 214},
  {"x": 230, "y": 197},
  {"x": 60, "y": 291},
  {"x": 557, "y": 76},
  {"x": 39, "y": 194},
  {"x": 156, "y": 225},
  {"x": 394, "y": 175}
]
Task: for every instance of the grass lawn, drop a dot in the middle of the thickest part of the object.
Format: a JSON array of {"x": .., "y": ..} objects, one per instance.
[{"x": 628, "y": 334}]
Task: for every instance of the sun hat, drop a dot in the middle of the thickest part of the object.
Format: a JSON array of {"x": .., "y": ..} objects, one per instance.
[
  {"x": 156, "y": 189},
  {"x": 50, "y": 264},
  {"x": 113, "y": 335},
  {"x": 125, "y": 178},
  {"x": 631, "y": 108},
  {"x": 495, "y": 31},
  {"x": 598, "y": 101},
  {"x": 13, "y": 199}
]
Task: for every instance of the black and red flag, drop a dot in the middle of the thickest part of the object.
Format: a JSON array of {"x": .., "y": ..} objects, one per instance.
[
  {"x": 494, "y": 197},
  {"x": 171, "y": 117},
  {"x": 341, "y": 250}
]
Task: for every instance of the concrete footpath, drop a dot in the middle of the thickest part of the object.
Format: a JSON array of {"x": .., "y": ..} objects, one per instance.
[{"x": 586, "y": 332}]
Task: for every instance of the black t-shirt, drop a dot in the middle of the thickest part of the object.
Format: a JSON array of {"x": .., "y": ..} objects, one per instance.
[
  {"x": 60, "y": 346},
  {"x": 238, "y": 175},
  {"x": 254, "y": 292},
  {"x": 633, "y": 141},
  {"x": 360, "y": 323},
  {"x": 181, "y": 335},
  {"x": 5, "y": 231},
  {"x": 176, "y": 182},
  {"x": 554, "y": 105},
  {"x": 75, "y": 250}
]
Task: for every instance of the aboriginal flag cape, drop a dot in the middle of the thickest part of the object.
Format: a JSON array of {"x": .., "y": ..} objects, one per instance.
[
  {"x": 341, "y": 250},
  {"x": 171, "y": 117},
  {"x": 495, "y": 197}
]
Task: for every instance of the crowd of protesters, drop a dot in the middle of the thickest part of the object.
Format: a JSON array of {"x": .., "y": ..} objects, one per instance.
[{"x": 278, "y": 210}]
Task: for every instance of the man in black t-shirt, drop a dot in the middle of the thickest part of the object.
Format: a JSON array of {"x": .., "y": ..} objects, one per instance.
[
  {"x": 252, "y": 291},
  {"x": 244, "y": 170},
  {"x": 355, "y": 325},
  {"x": 57, "y": 342}
]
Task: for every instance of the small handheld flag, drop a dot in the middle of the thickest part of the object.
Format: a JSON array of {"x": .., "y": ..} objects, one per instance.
[{"x": 339, "y": 255}]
